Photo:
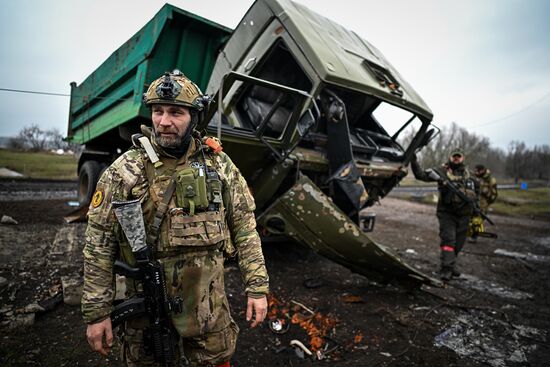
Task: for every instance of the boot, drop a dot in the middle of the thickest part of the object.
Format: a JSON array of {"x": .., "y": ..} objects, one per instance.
[
  {"x": 455, "y": 273},
  {"x": 447, "y": 262},
  {"x": 446, "y": 274}
]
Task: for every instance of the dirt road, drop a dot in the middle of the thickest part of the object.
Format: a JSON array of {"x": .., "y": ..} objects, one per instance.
[{"x": 497, "y": 313}]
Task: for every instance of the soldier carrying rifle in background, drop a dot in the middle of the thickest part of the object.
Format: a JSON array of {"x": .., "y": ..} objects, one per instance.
[{"x": 458, "y": 200}]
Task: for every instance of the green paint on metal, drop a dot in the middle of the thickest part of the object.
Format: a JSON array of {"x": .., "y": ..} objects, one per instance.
[
  {"x": 341, "y": 57},
  {"x": 122, "y": 93},
  {"x": 117, "y": 115},
  {"x": 173, "y": 39},
  {"x": 311, "y": 218}
]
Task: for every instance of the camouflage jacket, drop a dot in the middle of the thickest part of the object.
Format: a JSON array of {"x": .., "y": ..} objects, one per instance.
[
  {"x": 488, "y": 187},
  {"x": 133, "y": 176}
]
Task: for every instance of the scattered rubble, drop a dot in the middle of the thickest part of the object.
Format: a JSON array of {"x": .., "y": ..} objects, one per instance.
[
  {"x": 472, "y": 282},
  {"x": 19, "y": 321},
  {"x": 315, "y": 324},
  {"x": 72, "y": 290},
  {"x": 6, "y": 219},
  {"x": 518, "y": 255},
  {"x": 488, "y": 340}
]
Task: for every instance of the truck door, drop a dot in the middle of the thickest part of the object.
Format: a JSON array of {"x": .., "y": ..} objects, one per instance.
[{"x": 264, "y": 110}]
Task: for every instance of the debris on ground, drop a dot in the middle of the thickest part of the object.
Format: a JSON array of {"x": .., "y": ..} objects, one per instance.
[
  {"x": 473, "y": 282},
  {"x": 486, "y": 339},
  {"x": 316, "y": 325},
  {"x": 350, "y": 298},
  {"x": 6, "y": 219},
  {"x": 393, "y": 327},
  {"x": 518, "y": 255}
]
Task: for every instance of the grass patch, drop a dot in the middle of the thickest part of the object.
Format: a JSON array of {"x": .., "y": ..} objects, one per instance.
[
  {"x": 533, "y": 202},
  {"x": 40, "y": 164}
]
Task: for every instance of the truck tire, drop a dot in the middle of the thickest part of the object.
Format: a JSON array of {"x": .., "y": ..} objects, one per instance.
[{"x": 88, "y": 175}]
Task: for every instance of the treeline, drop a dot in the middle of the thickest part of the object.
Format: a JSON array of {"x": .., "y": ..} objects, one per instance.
[
  {"x": 518, "y": 161},
  {"x": 33, "y": 138}
]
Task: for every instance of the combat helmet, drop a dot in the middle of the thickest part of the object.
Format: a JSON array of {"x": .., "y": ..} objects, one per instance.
[{"x": 176, "y": 89}]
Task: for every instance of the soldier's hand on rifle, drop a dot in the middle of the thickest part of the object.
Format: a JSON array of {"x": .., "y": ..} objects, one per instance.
[
  {"x": 95, "y": 333},
  {"x": 257, "y": 306}
]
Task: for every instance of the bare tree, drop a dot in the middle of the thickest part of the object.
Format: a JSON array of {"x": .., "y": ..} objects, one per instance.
[
  {"x": 54, "y": 139},
  {"x": 515, "y": 160},
  {"x": 16, "y": 143},
  {"x": 477, "y": 149},
  {"x": 36, "y": 139},
  {"x": 33, "y": 137}
]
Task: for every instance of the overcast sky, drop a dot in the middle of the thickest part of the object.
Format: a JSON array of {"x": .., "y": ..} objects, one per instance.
[{"x": 484, "y": 64}]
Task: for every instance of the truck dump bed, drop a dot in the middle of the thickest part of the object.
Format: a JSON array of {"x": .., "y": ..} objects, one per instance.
[{"x": 111, "y": 96}]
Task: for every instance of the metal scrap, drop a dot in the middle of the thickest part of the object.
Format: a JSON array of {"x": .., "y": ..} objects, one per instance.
[
  {"x": 304, "y": 307},
  {"x": 299, "y": 344},
  {"x": 279, "y": 326}
]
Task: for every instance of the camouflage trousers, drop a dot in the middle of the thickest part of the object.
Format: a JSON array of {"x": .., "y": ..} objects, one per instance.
[
  {"x": 210, "y": 349},
  {"x": 484, "y": 205}
]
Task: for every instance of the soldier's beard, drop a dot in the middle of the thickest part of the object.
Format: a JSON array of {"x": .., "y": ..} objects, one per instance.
[
  {"x": 169, "y": 141},
  {"x": 174, "y": 144}
]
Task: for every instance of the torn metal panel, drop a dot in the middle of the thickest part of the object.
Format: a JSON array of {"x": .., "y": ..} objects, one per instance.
[{"x": 308, "y": 215}]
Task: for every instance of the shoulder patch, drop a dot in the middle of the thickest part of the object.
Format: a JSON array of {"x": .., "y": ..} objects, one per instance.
[{"x": 97, "y": 198}]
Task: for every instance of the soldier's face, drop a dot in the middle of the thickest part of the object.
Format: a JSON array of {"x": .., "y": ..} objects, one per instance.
[
  {"x": 480, "y": 172},
  {"x": 170, "y": 123},
  {"x": 457, "y": 159}
]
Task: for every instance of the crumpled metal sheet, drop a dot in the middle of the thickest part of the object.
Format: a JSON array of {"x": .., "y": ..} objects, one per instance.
[{"x": 312, "y": 218}]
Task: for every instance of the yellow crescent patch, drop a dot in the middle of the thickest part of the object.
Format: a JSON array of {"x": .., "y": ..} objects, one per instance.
[{"x": 97, "y": 199}]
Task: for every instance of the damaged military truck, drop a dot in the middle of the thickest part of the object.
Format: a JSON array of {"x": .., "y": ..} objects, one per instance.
[{"x": 312, "y": 114}]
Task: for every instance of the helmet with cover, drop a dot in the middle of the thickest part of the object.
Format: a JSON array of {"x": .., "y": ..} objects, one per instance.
[{"x": 176, "y": 89}]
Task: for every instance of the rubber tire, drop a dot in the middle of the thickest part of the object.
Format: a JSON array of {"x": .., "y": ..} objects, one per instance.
[{"x": 88, "y": 175}]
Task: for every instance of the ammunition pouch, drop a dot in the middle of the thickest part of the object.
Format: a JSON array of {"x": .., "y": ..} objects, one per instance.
[
  {"x": 198, "y": 230},
  {"x": 191, "y": 191}
]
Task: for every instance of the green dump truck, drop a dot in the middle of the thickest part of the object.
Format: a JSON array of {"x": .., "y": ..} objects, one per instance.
[{"x": 318, "y": 121}]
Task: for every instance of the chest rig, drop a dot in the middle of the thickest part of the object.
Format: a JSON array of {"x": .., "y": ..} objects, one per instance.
[
  {"x": 463, "y": 181},
  {"x": 185, "y": 201}
]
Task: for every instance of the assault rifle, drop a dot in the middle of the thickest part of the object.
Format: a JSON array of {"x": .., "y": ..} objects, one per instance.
[
  {"x": 436, "y": 176},
  {"x": 160, "y": 337}
]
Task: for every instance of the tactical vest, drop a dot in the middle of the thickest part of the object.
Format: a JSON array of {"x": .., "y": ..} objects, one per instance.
[
  {"x": 462, "y": 181},
  {"x": 191, "y": 237}
]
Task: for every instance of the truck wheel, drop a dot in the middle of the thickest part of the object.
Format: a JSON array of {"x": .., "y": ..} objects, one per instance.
[{"x": 87, "y": 179}]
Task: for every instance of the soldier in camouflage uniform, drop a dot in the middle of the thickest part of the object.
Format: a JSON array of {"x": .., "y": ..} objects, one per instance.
[
  {"x": 453, "y": 214},
  {"x": 487, "y": 187},
  {"x": 487, "y": 192},
  {"x": 210, "y": 215}
]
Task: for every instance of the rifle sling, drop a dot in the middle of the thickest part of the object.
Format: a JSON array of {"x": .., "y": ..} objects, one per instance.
[{"x": 154, "y": 228}]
